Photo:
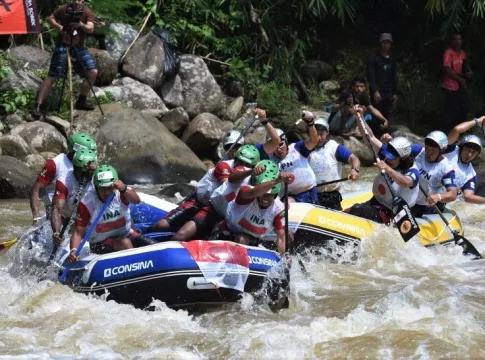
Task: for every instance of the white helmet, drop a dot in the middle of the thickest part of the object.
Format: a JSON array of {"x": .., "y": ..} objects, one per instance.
[
  {"x": 473, "y": 141},
  {"x": 280, "y": 133},
  {"x": 398, "y": 147},
  {"x": 321, "y": 124},
  {"x": 231, "y": 137},
  {"x": 439, "y": 138}
]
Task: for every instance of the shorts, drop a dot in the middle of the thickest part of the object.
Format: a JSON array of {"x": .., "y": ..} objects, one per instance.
[
  {"x": 177, "y": 217},
  {"x": 372, "y": 210},
  {"x": 103, "y": 247},
  {"x": 309, "y": 196},
  {"x": 330, "y": 199},
  {"x": 58, "y": 66},
  {"x": 205, "y": 219}
]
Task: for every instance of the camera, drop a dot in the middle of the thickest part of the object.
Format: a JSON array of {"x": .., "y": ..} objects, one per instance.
[{"x": 73, "y": 15}]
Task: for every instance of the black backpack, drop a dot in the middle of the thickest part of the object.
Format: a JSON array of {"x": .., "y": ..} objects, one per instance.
[{"x": 171, "y": 64}]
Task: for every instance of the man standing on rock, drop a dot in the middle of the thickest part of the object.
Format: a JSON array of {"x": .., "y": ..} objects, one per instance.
[
  {"x": 382, "y": 76},
  {"x": 73, "y": 22},
  {"x": 457, "y": 73}
]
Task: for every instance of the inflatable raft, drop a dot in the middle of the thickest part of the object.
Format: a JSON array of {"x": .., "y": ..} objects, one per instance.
[{"x": 181, "y": 274}]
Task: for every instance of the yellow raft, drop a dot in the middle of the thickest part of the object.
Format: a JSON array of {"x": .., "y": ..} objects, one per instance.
[{"x": 315, "y": 224}]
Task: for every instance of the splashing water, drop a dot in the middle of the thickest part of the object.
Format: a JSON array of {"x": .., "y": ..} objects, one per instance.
[{"x": 396, "y": 300}]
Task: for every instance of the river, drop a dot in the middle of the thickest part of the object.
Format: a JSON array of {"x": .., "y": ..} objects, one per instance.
[{"x": 397, "y": 301}]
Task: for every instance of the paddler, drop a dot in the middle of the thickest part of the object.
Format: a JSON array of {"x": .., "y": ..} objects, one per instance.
[
  {"x": 396, "y": 161},
  {"x": 113, "y": 231},
  {"x": 196, "y": 217},
  {"x": 293, "y": 158},
  {"x": 54, "y": 169},
  {"x": 67, "y": 187},
  {"x": 257, "y": 210},
  {"x": 326, "y": 161}
]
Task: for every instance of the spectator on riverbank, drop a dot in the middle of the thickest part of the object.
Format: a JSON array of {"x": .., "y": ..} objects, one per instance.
[
  {"x": 382, "y": 76},
  {"x": 342, "y": 121},
  {"x": 457, "y": 73}
]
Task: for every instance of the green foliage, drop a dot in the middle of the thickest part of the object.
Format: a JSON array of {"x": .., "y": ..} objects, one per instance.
[
  {"x": 41, "y": 74},
  {"x": 280, "y": 101},
  {"x": 107, "y": 98},
  {"x": 12, "y": 101},
  {"x": 4, "y": 65}
]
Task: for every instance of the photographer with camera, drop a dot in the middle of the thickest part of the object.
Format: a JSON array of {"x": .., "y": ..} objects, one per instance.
[{"x": 73, "y": 21}]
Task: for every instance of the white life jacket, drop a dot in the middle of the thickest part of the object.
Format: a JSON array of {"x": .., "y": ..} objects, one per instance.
[
  {"x": 325, "y": 165},
  {"x": 299, "y": 166},
  {"x": 72, "y": 186},
  {"x": 251, "y": 219},
  {"x": 463, "y": 172},
  {"x": 115, "y": 221},
  {"x": 206, "y": 186},
  {"x": 225, "y": 193},
  {"x": 63, "y": 166},
  {"x": 383, "y": 195},
  {"x": 431, "y": 176}
]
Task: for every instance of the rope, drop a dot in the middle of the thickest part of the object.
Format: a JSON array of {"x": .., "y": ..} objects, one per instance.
[{"x": 434, "y": 240}]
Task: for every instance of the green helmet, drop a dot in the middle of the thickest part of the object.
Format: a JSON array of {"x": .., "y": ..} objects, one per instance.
[
  {"x": 104, "y": 176},
  {"x": 269, "y": 176},
  {"x": 271, "y": 168},
  {"x": 80, "y": 141},
  {"x": 248, "y": 154},
  {"x": 83, "y": 157}
]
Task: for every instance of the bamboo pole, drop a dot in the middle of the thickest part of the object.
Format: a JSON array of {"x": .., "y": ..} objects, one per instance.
[
  {"x": 137, "y": 36},
  {"x": 71, "y": 107},
  {"x": 41, "y": 41}
]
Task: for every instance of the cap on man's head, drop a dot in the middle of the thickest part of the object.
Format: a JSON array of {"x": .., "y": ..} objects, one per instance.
[{"x": 384, "y": 37}]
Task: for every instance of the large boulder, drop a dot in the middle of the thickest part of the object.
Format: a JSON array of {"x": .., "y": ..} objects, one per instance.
[
  {"x": 31, "y": 56},
  {"x": 19, "y": 80},
  {"x": 118, "y": 39},
  {"x": 41, "y": 136},
  {"x": 193, "y": 88},
  {"x": 176, "y": 120},
  {"x": 144, "y": 61},
  {"x": 203, "y": 132},
  {"x": 401, "y": 130},
  {"x": 234, "y": 108},
  {"x": 318, "y": 70},
  {"x": 106, "y": 65},
  {"x": 35, "y": 162},
  {"x": 15, "y": 146},
  {"x": 134, "y": 94},
  {"x": 140, "y": 147},
  {"x": 16, "y": 178}
]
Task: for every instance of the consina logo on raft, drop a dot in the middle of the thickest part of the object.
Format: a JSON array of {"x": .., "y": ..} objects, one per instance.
[
  {"x": 261, "y": 261},
  {"x": 118, "y": 270}
]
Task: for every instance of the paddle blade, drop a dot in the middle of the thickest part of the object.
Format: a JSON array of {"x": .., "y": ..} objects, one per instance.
[
  {"x": 468, "y": 248},
  {"x": 7, "y": 244},
  {"x": 404, "y": 219}
]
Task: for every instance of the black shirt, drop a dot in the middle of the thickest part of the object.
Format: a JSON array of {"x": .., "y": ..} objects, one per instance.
[
  {"x": 382, "y": 74},
  {"x": 363, "y": 99}
]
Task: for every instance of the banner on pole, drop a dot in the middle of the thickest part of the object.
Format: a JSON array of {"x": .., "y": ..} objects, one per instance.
[{"x": 18, "y": 17}]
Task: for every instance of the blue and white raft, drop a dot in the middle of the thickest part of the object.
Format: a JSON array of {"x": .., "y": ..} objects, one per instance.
[{"x": 181, "y": 274}]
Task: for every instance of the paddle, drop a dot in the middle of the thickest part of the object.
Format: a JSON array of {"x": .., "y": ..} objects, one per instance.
[
  {"x": 65, "y": 222},
  {"x": 62, "y": 278},
  {"x": 468, "y": 248},
  {"x": 403, "y": 218},
  {"x": 332, "y": 182}
]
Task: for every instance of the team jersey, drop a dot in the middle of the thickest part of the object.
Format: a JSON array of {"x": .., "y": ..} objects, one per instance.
[
  {"x": 67, "y": 188},
  {"x": 245, "y": 216},
  {"x": 52, "y": 171},
  {"x": 212, "y": 179},
  {"x": 227, "y": 192},
  {"x": 435, "y": 178},
  {"x": 465, "y": 175},
  {"x": 383, "y": 195},
  {"x": 326, "y": 162},
  {"x": 115, "y": 222},
  {"x": 296, "y": 163}
]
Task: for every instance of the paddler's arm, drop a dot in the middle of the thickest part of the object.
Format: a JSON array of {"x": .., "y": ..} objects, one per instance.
[
  {"x": 76, "y": 238},
  {"x": 354, "y": 162},
  {"x": 472, "y": 198},
  {"x": 280, "y": 240},
  {"x": 376, "y": 143},
  {"x": 128, "y": 193},
  {"x": 260, "y": 190},
  {"x": 271, "y": 146},
  {"x": 35, "y": 201},
  {"x": 461, "y": 128},
  {"x": 402, "y": 180},
  {"x": 58, "y": 206}
]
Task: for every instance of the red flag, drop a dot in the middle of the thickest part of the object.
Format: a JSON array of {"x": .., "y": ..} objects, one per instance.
[
  {"x": 223, "y": 264},
  {"x": 18, "y": 17}
]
